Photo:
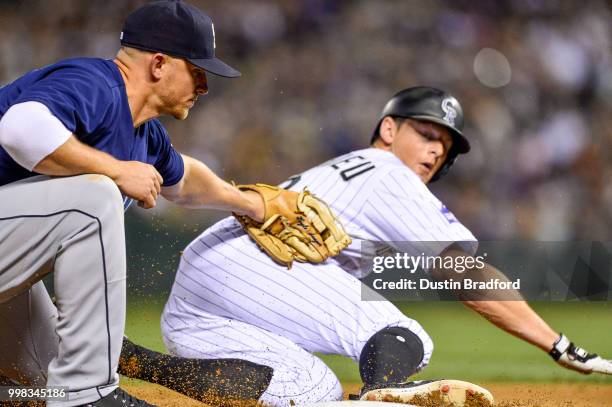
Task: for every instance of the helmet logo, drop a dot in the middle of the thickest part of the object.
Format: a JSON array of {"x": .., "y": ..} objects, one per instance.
[{"x": 449, "y": 110}]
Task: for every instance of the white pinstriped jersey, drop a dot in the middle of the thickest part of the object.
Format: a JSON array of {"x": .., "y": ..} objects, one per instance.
[
  {"x": 230, "y": 299},
  {"x": 376, "y": 198}
]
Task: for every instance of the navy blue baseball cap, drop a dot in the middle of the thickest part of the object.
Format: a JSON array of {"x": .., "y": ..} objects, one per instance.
[{"x": 178, "y": 29}]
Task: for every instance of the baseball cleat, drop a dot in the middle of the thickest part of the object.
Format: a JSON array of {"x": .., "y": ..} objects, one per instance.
[
  {"x": 447, "y": 393},
  {"x": 119, "y": 398}
]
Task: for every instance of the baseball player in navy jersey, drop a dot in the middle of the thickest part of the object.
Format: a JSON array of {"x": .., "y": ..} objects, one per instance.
[
  {"x": 230, "y": 300},
  {"x": 93, "y": 122}
]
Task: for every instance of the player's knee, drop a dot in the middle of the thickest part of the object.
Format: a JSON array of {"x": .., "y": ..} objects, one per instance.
[
  {"x": 332, "y": 388},
  {"x": 392, "y": 355},
  {"x": 99, "y": 195},
  {"x": 324, "y": 386},
  {"x": 302, "y": 384},
  {"x": 104, "y": 187}
]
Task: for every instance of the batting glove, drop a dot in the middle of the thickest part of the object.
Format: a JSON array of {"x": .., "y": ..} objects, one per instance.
[{"x": 569, "y": 356}]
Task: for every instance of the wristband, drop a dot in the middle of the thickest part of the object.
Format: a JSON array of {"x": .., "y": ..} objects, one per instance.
[{"x": 560, "y": 346}]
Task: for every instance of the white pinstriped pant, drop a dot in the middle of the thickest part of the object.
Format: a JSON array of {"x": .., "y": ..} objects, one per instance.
[{"x": 230, "y": 301}]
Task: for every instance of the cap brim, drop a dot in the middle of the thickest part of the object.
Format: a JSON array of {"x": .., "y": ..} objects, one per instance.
[
  {"x": 215, "y": 66},
  {"x": 462, "y": 145}
]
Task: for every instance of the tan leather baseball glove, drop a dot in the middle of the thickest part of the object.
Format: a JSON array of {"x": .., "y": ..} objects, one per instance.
[{"x": 296, "y": 226}]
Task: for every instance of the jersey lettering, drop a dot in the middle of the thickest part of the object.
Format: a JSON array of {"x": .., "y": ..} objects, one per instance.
[{"x": 357, "y": 165}]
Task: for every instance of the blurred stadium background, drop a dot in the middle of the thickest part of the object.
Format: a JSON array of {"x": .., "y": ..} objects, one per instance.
[{"x": 534, "y": 78}]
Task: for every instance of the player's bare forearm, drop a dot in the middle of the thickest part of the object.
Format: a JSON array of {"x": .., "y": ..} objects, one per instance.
[
  {"x": 513, "y": 315},
  {"x": 508, "y": 310},
  {"x": 135, "y": 179},
  {"x": 518, "y": 319},
  {"x": 74, "y": 158},
  {"x": 202, "y": 188}
]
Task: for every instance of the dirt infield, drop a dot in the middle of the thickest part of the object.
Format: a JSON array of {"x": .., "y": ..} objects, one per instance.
[{"x": 506, "y": 395}]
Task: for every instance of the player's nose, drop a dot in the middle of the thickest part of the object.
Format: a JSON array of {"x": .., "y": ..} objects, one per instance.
[
  {"x": 436, "y": 148},
  {"x": 201, "y": 83},
  {"x": 202, "y": 89}
]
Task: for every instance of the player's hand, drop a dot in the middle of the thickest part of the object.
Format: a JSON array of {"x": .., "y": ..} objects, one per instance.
[
  {"x": 571, "y": 357},
  {"x": 258, "y": 212},
  {"x": 139, "y": 181}
]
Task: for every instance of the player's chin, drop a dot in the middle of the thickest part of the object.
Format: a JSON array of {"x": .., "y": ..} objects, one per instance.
[
  {"x": 427, "y": 173},
  {"x": 424, "y": 174},
  {"x": 181, "y": 114}
]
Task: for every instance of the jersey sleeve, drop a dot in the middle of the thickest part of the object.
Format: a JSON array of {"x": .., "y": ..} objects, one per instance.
[
  {"x": 78, "y": 98},
  {"x": 162, "y": 155},
  {"x": 21, "y": 137},
  {"x": 400, "y": 209}
]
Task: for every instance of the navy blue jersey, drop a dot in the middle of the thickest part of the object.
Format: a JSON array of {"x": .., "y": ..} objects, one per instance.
[{"x": 88, "y": 96}]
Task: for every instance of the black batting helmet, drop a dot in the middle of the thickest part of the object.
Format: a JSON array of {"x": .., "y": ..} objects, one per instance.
[{"x": 431, "y": 105}]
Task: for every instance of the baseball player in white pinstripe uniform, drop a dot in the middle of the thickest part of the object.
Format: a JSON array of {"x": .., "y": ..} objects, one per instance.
[{"x": 229, "y": 300}]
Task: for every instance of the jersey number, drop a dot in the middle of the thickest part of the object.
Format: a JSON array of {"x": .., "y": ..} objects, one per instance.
[{"x": 290, "y": 182}]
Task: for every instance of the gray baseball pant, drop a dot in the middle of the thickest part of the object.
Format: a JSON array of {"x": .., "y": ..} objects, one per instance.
[{"x": 71, "y": 227}]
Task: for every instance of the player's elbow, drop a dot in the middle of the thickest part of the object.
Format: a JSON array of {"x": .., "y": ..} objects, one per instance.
[{"x": 178, "y": 193}]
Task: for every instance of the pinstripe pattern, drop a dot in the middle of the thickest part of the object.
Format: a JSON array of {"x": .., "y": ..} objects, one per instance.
[
  {"x": 298, "y": 375},
  {"x": 230, "y": 300}
]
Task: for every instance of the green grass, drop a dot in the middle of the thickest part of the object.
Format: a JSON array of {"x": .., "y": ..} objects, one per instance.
[{"x": 466, "y": 346}]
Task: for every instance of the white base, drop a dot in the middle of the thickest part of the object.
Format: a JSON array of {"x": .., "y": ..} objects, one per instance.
[{"x": 356, "y": 403}]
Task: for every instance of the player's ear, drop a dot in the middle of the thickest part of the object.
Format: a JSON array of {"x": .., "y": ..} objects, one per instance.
[
  {"x": 158, "y": 64},
  {"x": 387, "y": 130}
]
